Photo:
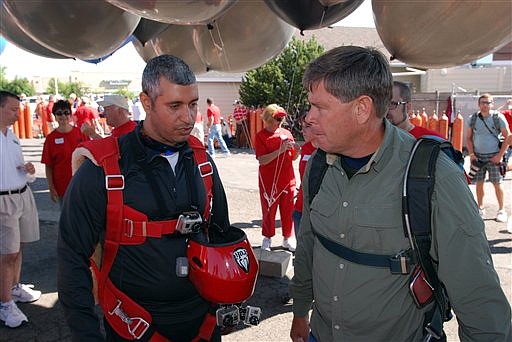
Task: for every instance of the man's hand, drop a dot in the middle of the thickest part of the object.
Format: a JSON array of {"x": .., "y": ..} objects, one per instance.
[
  {"x": 54, "y": 195},
  {"x": 90, "y": 131},
  {"x": 300, "y": 329}
]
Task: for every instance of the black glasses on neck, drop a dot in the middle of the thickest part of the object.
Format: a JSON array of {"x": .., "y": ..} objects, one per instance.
[{"x": 394, "y": 104}]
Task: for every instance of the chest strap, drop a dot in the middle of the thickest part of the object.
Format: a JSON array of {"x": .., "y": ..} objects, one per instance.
[{"x": 400, "y": 263}]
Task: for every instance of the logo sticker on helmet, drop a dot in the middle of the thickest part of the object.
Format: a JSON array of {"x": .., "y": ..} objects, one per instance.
[{"x": 242, "y": 258}]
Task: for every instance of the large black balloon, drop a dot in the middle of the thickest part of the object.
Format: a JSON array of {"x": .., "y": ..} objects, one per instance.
[
  {"x": 311, "y": 14},
  {"x": 11, "y": 31},
  {"x": 149, "y": 29}
]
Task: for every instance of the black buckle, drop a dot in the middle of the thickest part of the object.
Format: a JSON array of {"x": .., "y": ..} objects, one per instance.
[{"x": 401, "y": 262}]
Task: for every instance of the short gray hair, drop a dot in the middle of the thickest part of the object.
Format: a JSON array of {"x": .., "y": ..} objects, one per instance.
[
  {"x": 404, "y": 90},
  {"x": 348, "y": 72},
  {"x": 172, "y": 68}
]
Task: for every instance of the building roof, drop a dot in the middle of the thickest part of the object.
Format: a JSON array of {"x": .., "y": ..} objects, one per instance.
[{"x": 334, "y": 36}]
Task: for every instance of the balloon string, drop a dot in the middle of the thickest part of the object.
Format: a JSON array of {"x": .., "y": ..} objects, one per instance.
[
  {"x": 323, "y": 16},
  {"x": 223, "y": 56},
  {"x": 292, "y": 82}
]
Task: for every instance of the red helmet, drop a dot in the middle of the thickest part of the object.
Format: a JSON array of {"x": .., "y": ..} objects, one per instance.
[{"x": 223, "y": 270}]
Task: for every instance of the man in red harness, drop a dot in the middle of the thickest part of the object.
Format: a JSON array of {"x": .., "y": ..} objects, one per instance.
[{"x": 133, "y": 208}]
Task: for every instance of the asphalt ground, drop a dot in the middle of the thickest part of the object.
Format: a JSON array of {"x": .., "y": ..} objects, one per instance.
[{"x": 239, "y": 174}]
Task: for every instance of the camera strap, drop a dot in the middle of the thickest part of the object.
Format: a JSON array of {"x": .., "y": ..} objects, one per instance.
[{"x": 495, "y": 119}]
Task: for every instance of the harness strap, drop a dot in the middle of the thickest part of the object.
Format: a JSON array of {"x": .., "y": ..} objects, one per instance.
[
  {"x": 400, "y": 263},
  {"x": 207, "y": 327}
]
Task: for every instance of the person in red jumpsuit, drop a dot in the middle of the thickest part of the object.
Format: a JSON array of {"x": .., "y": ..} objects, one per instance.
[{"x": 275, "y": 151}]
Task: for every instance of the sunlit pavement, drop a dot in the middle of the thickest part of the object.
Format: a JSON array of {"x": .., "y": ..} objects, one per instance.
[{"x": 239, "y": 173}]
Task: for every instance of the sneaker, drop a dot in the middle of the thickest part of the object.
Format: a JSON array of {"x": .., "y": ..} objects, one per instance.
[
  {"x": 12, "y": 315},
  {"x": 509, "y": 225},
  {"x": 501, "y": 216},
  {"x": 289, "y": 244},
  {"x": 24, "y": 293},
  {"x": 266, "y": 243},
  {"x": 481, "y": 211}
]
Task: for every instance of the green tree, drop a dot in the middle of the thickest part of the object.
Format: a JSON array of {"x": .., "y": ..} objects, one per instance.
[
  {"x": 3, "y": 80},
  {"x": 18, "y": 86},
  {"x": 125, "y": 92},
  {"x": 280, "y": 80},
  {"x": 65, "y": 88}
]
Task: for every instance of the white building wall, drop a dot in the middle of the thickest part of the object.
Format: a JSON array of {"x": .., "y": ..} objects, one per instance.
[{"x": 483, "y": 79}]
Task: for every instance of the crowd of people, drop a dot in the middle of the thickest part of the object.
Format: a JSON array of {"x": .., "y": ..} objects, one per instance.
[{"x": 134, "y": 200}]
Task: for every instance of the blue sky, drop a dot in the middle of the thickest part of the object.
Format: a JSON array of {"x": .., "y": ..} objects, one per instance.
[{"x": 21, "y": 63}]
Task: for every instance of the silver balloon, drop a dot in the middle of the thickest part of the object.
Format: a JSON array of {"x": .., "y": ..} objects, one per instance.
[
  {"x": 146, "y": 52},
  {"x": 328, "y": 3},
  {"x": 10, "y": 30},
  {"x": 439, "y": 34},
  {"x": 182, "y": 12},
  {"x": 82, "y": 29},
  {"x": 177, "y": 40},
  {"x": 244, "y": 38}
]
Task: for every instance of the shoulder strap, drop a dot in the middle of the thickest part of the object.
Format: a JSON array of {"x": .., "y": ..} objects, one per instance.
[
  {"x": 419, "y": 181},
  {"x": 496, "y": 121},
  {"x": 472, "y": 121},
  {"x": 316, "y": 173}
]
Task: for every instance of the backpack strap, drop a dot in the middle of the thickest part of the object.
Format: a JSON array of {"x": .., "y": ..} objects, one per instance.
[
  {"x": 472, "y": 121},
  {"x": 317, "y": 172},
  {"x": 419, "y": 181}
]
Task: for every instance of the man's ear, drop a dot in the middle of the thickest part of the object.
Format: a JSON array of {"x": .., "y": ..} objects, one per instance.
[
  {"x": 363, "y": 108},
  {"x": 146, "y": 101}
]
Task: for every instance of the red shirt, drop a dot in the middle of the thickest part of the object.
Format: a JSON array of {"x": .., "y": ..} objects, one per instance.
[
  {"x": 213, "y": 111},
  {"x": 305, "y": 153},
  {"x": 240, "y": 113},
  {"x": 127, "y": 127},
  {"x": 57, "y": 151},
  {"x": 419, "y": 132},
  {"x": 278, "y": 174},
  {"x": 508, "y": 115},
  {"x": 85, "y": 113}
]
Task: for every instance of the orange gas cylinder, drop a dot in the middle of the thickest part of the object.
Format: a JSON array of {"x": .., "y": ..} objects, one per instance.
[
  {"x": 415, "y": 120},
  {"x": 424, "y": 119},
  {"x": 419, "y": 119},
  {"x": 28, "y": 122},
  {"x": 443, "y": 125},
  {"x": 433, "y": 122},
  {"x": 253, "y": 116},
  {"x": 16, "y": 129},
  {"x": 458, "y": 131},
  {"x": 21, "y": 122}
]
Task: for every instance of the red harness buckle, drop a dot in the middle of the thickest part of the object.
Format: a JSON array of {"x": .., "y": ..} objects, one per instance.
[
  {"x": 114, "y": 182},
  {"x": 136, "y": 326},
  {"x": 205, "y": 169}
]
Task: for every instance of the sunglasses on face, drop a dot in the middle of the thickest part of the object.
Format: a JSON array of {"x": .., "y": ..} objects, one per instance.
[
  {"x": 393, "y": 104},
  {"x": 486, "y": 102},
  {"x": 62, "y": 112}
]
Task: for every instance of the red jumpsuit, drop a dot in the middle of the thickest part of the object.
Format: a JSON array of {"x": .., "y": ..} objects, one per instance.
[{"x": 276, "y": 182}]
